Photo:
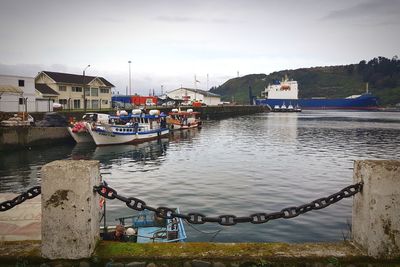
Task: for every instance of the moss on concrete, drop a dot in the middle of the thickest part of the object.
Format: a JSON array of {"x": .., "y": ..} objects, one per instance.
[
  {"x": 258, "y": 254},
  {"x": 274, "y": 252}
]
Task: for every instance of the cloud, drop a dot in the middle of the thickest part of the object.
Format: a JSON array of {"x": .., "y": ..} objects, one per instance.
[
  {"x": 112, "y": 20},
  {"x": 30, "y": 70},
  {"x": 178, "y": 19},
  {"x": 386, "y": 10}
]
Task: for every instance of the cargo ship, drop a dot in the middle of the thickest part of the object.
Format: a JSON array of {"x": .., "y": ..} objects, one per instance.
[{"x": 285, "y": 92}]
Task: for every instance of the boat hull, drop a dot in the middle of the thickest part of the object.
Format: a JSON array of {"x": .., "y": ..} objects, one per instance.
[
  {"x": 177, "y": 126},
  {"x": 80, "y": 137},
  {"x": 363, "y": 102},
  {"x": 102, "y": 136}
]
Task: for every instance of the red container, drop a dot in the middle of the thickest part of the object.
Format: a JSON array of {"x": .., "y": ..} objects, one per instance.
[{"x": 144, "y": 100}]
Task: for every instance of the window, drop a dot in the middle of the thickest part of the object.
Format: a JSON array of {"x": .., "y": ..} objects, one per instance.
[
  {"x": 94, "y": 91},
  {"x": 21, "y": 101},
  {"x": 105, "y": 102},
  {"x": 63, "y": 101},
  {"x": 77, "y": 89},
  {"x": 62, "y": 88},
  {"x": 104, "y": 90},
  {"x": 95, "y": 104},
  {"x": 77, "y": 103},
  {"x": 21, "y": 83},
  {"x": 87, "y": 91}
]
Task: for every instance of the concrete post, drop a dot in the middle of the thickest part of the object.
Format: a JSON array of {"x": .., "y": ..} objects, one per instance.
[
  {"x": 376, "y": 210},
  {"x": 70, "y": 209}
]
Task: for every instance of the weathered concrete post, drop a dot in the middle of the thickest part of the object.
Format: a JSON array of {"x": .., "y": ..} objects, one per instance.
[
  {"x": 376, "y": 210},
  {"x": 70, "y": 209}
]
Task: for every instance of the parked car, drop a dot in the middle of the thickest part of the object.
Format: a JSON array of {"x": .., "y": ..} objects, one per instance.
[{"x": 53, "y": 119}]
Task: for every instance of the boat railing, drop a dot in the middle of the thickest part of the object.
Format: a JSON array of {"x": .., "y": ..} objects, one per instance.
[{"x": 142, "y": 220}]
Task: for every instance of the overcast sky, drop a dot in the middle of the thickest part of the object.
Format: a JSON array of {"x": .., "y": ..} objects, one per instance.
[{"x": 170, "y": 41}]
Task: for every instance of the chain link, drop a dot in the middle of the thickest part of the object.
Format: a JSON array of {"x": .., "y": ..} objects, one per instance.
[
  {"x": 228, "y": 219},
  {"x": 31, "y": 193}
]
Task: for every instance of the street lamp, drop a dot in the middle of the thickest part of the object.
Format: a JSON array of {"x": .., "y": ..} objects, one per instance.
[
  {"x": 130, "y": 86},
  {"x": 84, "y": 89}
]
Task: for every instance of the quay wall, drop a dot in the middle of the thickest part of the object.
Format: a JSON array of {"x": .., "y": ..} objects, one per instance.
[
  {"x": 26, "y": 137},
  {"x": 341, "y": 254}
]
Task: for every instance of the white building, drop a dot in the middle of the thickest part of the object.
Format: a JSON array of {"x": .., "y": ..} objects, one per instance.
[
  {"x": 189, "y": 95},
  {"x": 18, "y": 94}
]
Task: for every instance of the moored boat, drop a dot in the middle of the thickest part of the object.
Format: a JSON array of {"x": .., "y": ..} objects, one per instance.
[
  {"x": 78, "y": 130},
  {"x": 179, "y": 120},
  {"x": 146, "y": 227},
  {"x": 132, "y": 128},
  {"x": 287, "y": 91}
]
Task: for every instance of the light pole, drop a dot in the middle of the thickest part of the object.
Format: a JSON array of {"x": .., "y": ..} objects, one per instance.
[
  {"x": 84, "y": 89},
  {"x": 130, "y": 85}
]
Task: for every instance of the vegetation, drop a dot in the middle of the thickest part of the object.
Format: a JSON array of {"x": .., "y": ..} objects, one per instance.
[{"x": 381, "y": 74}]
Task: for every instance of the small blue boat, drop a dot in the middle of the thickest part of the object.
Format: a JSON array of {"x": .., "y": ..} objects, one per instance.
[{"x": 146, "y": 227}]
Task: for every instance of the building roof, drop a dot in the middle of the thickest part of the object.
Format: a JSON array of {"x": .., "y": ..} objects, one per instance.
[
  {"x": 10, "y": 89},
  {"x": 198, "y": 91},
  {"x": 60, "y": 77},
  {"x": 44, "y": 89}
]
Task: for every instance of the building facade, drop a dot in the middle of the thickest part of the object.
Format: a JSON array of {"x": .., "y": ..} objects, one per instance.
[
  {"x": 189, "y": 95},
  {"x": 18, "y": 94},
  {"x": 70, "y": 90}
]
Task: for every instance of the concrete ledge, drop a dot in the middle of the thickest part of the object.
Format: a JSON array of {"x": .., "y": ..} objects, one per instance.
[
  {"x": 23, "y": 137},
  {"x": 207, "y": 254}
]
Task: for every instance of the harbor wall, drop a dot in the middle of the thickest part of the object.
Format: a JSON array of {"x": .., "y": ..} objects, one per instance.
[{"x": 26, "y": 137}]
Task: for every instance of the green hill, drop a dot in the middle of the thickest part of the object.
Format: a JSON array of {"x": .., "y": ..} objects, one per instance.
[{"x": 382, "y": 75}]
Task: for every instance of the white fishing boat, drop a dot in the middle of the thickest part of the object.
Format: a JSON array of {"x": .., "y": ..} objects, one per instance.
[
  {"x": 78, "y": 130},
  {"x": 132, "y": 128},
  {"x": 178, "y": 120}
]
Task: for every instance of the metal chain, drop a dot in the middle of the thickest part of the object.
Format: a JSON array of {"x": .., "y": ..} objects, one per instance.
[
  {"x": 31, "y": 193},
  {"x": 228, "y": 220}
]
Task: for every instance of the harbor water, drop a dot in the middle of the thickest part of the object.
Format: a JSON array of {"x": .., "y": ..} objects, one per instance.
[{"x": 243, "y": 165}]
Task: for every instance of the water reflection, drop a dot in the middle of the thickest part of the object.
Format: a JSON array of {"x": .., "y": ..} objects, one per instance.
[
  {"x": 121, "y": 154},
  {"x": 283, "y": 126},
  {"x": 20, "y": 169}
]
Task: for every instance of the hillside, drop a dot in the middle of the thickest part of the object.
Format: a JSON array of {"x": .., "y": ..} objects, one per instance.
[{"x": 382, "y": 75}]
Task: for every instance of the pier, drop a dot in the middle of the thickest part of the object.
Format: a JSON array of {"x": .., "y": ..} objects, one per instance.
[{"x": 70, "y": 228}]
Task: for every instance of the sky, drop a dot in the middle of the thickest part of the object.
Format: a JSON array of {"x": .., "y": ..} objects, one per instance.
[{"x": 169, "y": 42}]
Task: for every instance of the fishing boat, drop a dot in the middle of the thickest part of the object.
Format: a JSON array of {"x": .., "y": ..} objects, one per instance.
[
  {"x": 131, "y": 128},
  {"x": 146, "y": 227},
  {"x": 279, "y": 92},
  {"x": 179, "y": 120},
  {"x": 78, "y": 130}
]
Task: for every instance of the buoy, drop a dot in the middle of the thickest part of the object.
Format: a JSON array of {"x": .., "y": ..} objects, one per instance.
[{"x": 154, "y": 112}]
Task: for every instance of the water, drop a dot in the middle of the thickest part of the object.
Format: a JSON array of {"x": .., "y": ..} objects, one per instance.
[{"x": 258, "y": 163}]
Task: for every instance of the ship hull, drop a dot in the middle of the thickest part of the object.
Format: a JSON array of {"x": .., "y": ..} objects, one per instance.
[{"x": 363, "y": 102}]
